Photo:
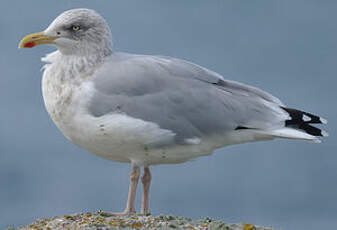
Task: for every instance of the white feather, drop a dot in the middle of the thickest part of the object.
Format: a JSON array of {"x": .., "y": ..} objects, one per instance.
[{"x": 290, "y": 133}]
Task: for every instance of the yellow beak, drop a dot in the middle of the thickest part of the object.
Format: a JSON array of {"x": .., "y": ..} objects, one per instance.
[{"x": 35, "y": 39}]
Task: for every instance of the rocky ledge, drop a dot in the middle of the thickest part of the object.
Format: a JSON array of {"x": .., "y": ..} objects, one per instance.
[{"x": 104, "y": 221}]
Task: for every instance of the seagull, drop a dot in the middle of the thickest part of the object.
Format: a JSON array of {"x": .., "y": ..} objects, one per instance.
[{"x": 149, "y": 110}]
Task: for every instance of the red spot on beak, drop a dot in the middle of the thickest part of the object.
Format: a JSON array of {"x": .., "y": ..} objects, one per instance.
[{"x": 29, "y": 45}]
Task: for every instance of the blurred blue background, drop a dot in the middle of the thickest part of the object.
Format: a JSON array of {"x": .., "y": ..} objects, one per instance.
[{"x": 285, "y": 47}]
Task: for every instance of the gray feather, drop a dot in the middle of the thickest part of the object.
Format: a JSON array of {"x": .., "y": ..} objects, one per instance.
[{"x": 180, "y": 96}]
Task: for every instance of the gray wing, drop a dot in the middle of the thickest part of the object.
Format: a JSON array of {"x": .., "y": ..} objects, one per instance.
[{"x": 185, "y": 98}]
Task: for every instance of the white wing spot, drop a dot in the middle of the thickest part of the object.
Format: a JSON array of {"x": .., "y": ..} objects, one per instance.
[
  {"x": 324, "y": 121},
  {"x": 306, "y": 118},
  {"x": 324, "y": 133}
]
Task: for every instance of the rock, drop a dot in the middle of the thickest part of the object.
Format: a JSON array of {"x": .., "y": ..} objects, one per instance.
[{"x": 104, "y": 221}]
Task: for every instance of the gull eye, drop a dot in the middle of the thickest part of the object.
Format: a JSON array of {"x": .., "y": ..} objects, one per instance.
[{"x": 75, "y": 28}]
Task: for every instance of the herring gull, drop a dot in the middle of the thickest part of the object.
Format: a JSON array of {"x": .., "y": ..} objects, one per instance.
[{"x": 148, "y": 110}]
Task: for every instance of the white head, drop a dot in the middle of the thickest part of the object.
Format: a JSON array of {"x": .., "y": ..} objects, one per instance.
[{"x": 80, "y": 32}]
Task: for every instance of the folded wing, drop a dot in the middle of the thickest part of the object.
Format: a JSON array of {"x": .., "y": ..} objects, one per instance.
[{"x": 182, "y": 97}]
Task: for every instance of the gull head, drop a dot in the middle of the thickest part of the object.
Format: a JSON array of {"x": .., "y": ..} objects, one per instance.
[{"x": 79, "y": 32}]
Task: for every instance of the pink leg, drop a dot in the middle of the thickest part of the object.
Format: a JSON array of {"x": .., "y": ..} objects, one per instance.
[
  {"x": 130, "y": 205},
  {"x": 134, "y": 177},
  {"x": 146, "y": 180}
]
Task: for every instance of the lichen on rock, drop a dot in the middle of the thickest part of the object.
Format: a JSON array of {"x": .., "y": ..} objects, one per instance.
[{"x": 105, "y": 221}]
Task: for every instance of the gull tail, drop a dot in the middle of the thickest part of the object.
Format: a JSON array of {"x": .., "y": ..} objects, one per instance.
[{"x": 300, "y": 126}]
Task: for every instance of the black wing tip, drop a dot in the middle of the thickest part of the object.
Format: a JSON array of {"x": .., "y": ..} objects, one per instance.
[
  {"x": 312, "y": 130},
  {"x": 298, "y": 116},
  {"x": 303, "y": 121}
]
